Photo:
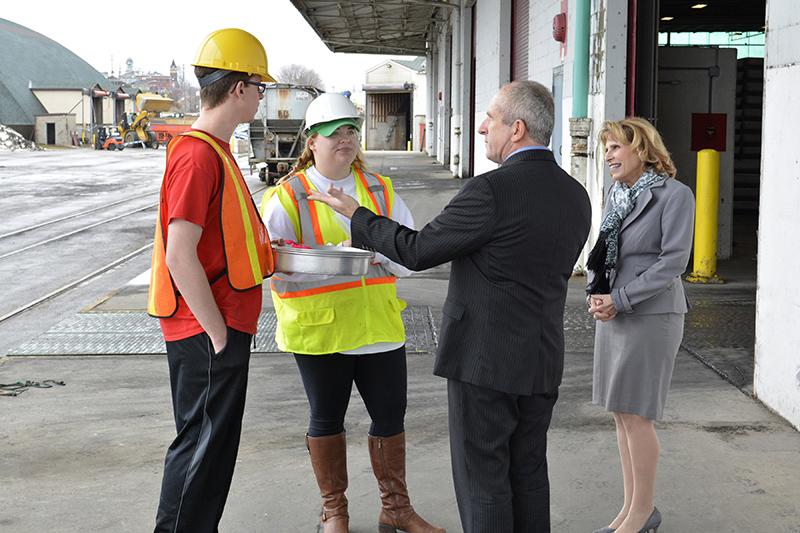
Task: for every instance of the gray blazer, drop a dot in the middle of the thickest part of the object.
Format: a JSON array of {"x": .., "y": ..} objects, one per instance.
[{"x": 654, "y": 247}]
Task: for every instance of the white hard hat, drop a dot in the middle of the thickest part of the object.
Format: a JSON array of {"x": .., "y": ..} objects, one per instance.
[{"x": 329, "y": 108}]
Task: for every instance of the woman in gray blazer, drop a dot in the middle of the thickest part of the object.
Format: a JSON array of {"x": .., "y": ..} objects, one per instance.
[{"x": 637, "y": 297}]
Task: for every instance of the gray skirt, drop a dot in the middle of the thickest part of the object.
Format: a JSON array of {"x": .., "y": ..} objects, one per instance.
[{"x": 634, "y": 356}]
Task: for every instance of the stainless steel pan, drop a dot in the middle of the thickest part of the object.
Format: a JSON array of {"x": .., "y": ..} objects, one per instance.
[{"x": 335, "y": 260}]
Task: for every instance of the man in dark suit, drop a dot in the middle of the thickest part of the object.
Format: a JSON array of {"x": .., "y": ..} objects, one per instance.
[{"x": 514, "y": 235}]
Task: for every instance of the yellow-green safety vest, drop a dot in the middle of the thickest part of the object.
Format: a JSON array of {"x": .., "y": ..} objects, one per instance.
[{"x": 344, "y": 312}]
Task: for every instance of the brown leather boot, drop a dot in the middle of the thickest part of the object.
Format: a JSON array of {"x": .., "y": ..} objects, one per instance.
[
  {"x": 329, "y": 460},
  {"x": 388, "y": 456}
]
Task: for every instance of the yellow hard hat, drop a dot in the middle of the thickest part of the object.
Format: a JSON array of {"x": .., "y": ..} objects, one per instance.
[{"x": 233, "y": 49}]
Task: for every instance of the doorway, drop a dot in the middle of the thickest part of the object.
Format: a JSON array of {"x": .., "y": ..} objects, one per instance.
[
  {"x": 690, "y": 60},
  {"x": 388, "y": 121}
]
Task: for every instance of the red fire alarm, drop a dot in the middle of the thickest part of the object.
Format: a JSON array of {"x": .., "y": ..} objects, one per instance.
[{"x": 560, "y": 27}]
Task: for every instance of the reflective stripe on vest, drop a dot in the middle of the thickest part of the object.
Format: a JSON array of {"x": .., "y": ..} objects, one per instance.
[
  {"x": 343, "y": 312},
  {"x": 307, "y": 211},
  {"x": 374, "y": 183},
  {"x": 248, "y": 253}
]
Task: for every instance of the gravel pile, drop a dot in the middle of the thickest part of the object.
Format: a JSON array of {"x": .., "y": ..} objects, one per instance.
[{"x": 11, "y": 140}]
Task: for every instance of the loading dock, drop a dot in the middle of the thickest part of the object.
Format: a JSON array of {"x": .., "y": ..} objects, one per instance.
[{"x": 388, "y": 119}]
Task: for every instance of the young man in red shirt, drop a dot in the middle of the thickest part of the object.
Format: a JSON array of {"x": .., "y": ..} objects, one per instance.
[{"x": 210, "y": 256}]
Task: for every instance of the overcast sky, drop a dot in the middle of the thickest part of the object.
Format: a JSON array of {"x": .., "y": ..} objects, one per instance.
[{"x": 153, "y": 34}]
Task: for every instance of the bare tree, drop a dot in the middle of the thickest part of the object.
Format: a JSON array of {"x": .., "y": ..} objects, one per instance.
[
  {"x": 185, "y": 93},
  {"x": 299, "y": 75}
]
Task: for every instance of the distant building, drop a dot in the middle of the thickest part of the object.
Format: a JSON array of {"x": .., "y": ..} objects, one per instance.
[
  {"x": 151, "y": 82},
  {"x": 49, "y": 94},
  {"x": 396, "y": 102},
  {"x": 173, "y": 85}
]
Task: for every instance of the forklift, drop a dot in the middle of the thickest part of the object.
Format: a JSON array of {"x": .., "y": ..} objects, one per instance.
[{"x": 105, "y": 140}]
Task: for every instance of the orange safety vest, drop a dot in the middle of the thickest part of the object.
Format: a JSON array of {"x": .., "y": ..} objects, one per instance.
[{"x": 248, "y": 253}]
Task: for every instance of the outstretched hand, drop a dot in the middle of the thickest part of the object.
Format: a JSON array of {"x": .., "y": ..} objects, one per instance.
[{"x": 337, "y": 200}]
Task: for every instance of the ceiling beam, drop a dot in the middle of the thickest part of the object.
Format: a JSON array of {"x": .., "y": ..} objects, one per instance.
[{"x": 386, "y": 48}]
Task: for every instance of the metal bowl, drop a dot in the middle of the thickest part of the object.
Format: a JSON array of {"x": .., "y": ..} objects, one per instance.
[{"x": 331, "y": 260}]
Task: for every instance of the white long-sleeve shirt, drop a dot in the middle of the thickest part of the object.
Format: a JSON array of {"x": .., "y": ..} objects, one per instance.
[{"x": 280, "y": 226}]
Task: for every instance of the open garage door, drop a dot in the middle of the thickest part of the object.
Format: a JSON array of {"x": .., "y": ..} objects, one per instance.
[
  {"x": 388, "y": 121},
  {"x": 692, "y": 63}
]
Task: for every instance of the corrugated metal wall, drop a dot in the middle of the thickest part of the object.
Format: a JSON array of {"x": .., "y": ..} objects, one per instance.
[{"x": 519, "y": 39}]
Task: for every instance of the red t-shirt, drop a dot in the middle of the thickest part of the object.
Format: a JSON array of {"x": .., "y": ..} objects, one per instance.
[{"x": 193, "y": 185}]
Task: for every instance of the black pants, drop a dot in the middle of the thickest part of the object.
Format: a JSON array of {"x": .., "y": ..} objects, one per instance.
[
  {"x": 498, "y": 445},
  {"x": 381, "y": 381},
  {"x": 208, "y": 396}
]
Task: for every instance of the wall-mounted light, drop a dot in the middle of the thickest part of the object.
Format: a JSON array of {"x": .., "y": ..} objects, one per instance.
[
  {"x": 699, "y": 6},
  {"x": 667, "y": 18}
]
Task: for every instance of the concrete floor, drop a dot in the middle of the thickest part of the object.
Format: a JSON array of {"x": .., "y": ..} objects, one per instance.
[{"x": 88, "y": 456}]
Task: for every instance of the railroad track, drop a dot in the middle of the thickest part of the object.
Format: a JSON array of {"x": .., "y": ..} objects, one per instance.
[
  {"x": 79, "y": 230},
  {"x": 74, "y": 215},
  {"x": 92, "y": 275}
]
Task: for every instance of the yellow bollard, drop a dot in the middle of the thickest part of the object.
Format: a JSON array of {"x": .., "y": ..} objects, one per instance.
[{"x": 706, "y": 219}]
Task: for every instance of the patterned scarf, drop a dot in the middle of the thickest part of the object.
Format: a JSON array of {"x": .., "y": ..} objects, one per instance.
[{"x": 603, "y": 257}]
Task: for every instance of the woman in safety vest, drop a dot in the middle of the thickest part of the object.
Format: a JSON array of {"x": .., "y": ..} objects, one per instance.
[{"x": 344, "y": 330}]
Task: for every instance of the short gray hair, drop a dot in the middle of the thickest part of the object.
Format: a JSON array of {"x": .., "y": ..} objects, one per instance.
[{"x": 532, "y": 103}]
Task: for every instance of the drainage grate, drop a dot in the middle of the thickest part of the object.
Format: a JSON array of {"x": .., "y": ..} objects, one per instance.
[{"x": 139, "y": 334}]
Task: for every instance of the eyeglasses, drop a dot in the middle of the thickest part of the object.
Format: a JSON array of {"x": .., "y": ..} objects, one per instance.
[
  {"x": 262, "y": 87},
  {"x": 346, "y": 132}
]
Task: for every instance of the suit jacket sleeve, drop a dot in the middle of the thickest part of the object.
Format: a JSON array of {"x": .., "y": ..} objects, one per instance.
[
  {"x": 463, "y": 226},
  {"x": 677, "y": 225}
]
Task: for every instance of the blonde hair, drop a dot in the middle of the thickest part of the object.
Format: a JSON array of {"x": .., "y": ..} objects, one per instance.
[
  {"x": 643, "y": 138},
  {"x": 306, "y": 159}
]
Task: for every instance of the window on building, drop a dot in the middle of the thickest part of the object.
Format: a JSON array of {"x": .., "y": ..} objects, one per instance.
[{"x": 747, "y": 44}]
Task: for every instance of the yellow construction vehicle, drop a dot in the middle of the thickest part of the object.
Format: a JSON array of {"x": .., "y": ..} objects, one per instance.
[{"x": 136, "y": 129}]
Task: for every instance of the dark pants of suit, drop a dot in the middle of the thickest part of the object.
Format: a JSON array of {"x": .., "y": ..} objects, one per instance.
[
  {"x": 498, "y": 445},
  {"x": 381, "y": 381},
  {"x": 208, "y": 397}
]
